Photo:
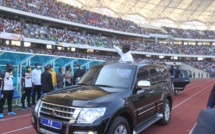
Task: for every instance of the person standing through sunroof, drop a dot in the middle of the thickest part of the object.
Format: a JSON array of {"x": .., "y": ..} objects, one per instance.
[{"x": 125, "y": 54}]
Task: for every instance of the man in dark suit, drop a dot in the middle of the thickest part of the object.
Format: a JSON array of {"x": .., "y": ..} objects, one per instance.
[
  {"x": 46, "y": 81},
  {"x": 211, "y": 99},
  {"x": 178, "y": 73},
  {"x": 78, "y": 74}
]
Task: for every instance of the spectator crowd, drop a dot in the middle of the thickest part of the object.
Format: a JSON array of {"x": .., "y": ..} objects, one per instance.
[
  {"x": 206, "y": 66},
  {"x": 62, "y": 11},
  {"x": 59, "y": 10},
  {"x": 30, "y": 30},
  {"x": 190, "y": 33}
]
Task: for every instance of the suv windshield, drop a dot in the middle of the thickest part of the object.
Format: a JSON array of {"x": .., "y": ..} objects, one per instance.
[{"x": 108, "y": 75}]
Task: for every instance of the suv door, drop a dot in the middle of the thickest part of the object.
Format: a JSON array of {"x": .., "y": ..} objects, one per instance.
[
  {"x": 158, "y": 85},
  {"x": 145, "y": 106}
]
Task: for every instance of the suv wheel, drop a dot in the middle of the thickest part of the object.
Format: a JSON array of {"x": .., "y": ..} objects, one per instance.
[
  {"x": 166, "y": 114},
  {"x": 120, "y": 126}
]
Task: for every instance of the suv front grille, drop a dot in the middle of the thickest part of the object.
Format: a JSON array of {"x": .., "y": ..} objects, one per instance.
[{"x": 59, "y": 111}]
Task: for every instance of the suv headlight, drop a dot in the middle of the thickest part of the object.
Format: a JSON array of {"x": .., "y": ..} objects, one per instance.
[
  {"x": 89, "y": 115},
  {"x": 37, "y": 106}
]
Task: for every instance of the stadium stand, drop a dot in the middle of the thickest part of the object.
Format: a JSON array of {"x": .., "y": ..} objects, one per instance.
[
  {"x": 55, "y": 9},
  {"x": 161, "y": 42},
  {"x": 188, "y": 33},
  {"x": 207, "y": 66},
  {"x": 74, "y": 37},
  {"x": 63, "y": 11}
]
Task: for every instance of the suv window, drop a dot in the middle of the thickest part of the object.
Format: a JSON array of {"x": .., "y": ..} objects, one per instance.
[
  {"x": 143, "y": 74},
  {"x": 155, "y": 74},
  {"x": 110, "y": 75},
  {"x": 153, "y": 71}
]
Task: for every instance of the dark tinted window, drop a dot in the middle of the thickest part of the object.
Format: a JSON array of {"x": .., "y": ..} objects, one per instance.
[
  {"x": 143, "y": 74},
  {"x": 111, "y": 75},
  {"x": 153, "y": 71}
]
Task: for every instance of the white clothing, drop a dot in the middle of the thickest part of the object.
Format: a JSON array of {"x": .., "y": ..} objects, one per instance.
[
  {"x": 67, "y": 76},
  {"x": 36, "y": 76},
  {"x": 8, "y": 81},
  {"x": 125, "y": 57},
  {"x": 28, "y": 80}
]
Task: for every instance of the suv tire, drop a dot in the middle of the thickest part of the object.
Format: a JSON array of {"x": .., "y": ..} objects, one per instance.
[
  {"x": 120, "y": 126},
  {"x": 166, "y": 113}
]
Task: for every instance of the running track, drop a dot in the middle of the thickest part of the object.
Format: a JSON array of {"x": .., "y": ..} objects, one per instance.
[{"x": 186, "y": 107}]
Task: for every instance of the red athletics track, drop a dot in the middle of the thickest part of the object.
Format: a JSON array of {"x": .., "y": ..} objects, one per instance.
[{"x": 186, "y": 107}]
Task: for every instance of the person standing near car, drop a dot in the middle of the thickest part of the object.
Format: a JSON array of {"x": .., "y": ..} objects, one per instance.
[
  {"x": 68, "y": 77},
  {"x": 60, "y": 78},
  {"x": 7, "y": 89},
  {"x": 26, "y": 88},
  {"x": 36, "y": 83},
  {"x": 78, "y": 74},
  {"x": 124, "y": 53},
  {"x": 46, "y": 81},
  {"x": 54, "y": 77},
  {"x": 211, "y": 99}
]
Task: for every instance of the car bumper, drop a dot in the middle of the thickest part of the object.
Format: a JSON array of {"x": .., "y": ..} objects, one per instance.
[{"x": 70, "y": 128}]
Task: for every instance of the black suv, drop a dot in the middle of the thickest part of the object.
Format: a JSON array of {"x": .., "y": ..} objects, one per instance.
[{"x": 111, "y": 98}]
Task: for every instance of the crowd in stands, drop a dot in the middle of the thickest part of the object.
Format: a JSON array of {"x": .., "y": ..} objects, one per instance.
[
  {"x": 203, "y": 65},
  {"x": 207, "y": 66},
  {"x": 59, "y": 10},
  {"x": 36, "y": 31},
  {"x": 62, "y": 11},
  {"x": 189, "y": 33}
]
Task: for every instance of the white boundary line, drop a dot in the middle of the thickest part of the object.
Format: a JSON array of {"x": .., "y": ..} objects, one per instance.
[
  {"x": 188, "y": 89},
  {"x": 16, "y": 130},
  {"x": 191, "y": 96},
  {"x": 28, "y": 127},
  {"x": 15, "y": 117}
]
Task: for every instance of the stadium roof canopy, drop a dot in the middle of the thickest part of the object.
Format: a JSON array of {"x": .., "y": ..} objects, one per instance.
[{"x": 194, "y": 14}]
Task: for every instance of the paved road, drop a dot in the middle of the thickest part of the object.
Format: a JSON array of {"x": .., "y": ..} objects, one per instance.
[{"x": 186, "y": 107}]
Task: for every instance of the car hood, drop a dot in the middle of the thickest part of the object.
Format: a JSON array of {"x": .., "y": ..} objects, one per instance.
[{"x": 84, "y": 96}]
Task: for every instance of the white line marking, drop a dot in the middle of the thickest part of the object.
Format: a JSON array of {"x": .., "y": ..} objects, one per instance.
[
  {"x": 187, "y": 89},
  {"x": 191, "y": 96},
  {"x": 192, "y": 128},
  {"x": 15, "y": 117},
  {"x": 26, "y": 127}
]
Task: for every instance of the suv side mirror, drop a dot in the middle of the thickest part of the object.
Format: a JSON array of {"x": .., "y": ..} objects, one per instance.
[{"x": 143, "y": 84}]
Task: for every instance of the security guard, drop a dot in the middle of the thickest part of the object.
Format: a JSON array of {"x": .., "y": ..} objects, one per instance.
[
  {"x": 26, "y": 88},
  {"x": 54, "y": 76},
  {"x": 36, "y": 81},
  {"x": 6, "y": 82}
]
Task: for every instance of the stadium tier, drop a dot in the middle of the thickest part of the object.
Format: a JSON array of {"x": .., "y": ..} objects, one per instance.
[
  {"x": 145, "y": 41},
  {"x": 35, "y": 31}
]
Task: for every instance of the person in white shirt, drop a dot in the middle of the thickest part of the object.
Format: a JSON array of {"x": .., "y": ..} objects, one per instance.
[
  {"x": 68, "y": 77},
  {"x": 36, "y": 83},
  {"x": 7, "y": 89},
  {"x": 26, "y": 88},
  {"x": 124, "y": 53}
]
